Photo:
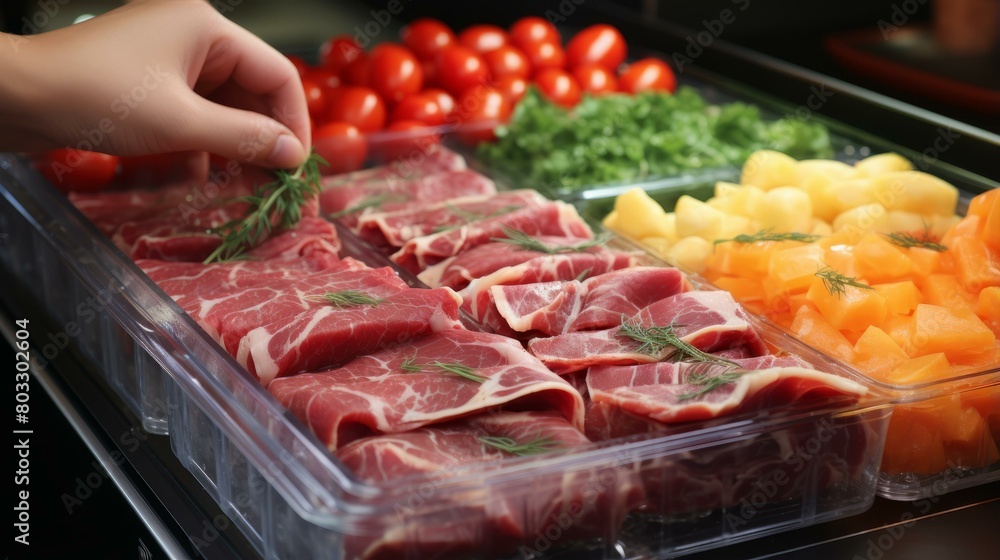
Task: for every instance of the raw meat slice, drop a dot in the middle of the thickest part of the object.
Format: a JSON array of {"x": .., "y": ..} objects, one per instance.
[
  {"x": 599, "y": 302},
  {"x": 348, "y": 202},
  {"x": 395, "y": 228},
  {"x": 456, "y": 272},
  {"x": 400, "y": 388},
  {"x": 555, "y": 507},
  {"x": 550, "y": 218},
  {"x": 709, "y": 321},
  {"x": 684, "y": 392},
  {"x": 435, "y": 160},
  {"x": 328, "y": 336},
  {"x": 309, "y": 237}
]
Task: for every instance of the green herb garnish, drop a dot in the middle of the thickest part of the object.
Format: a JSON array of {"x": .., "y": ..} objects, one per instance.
[
  {"x": 708, "y": 383},
  {"x": 657, "y": 339},
  {"x": 281, "y": 199},
  {"x": 525, "y": 241},
  {"x": 768, "y": 235},
  {"x": 907, "y": 240},
  {"x": 372, "y": 201},
  {"x": 347, "y": 298},
  {"x": 836, "y": 283},
  {"x": 460, "y": 370},
  {"x": 533, "y": 447},
  {"x": 469, "y": 217},
  {"x": 409, "y": 365}
]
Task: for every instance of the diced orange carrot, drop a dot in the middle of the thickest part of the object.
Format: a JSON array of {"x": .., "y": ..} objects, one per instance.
[
  {"x": 793, "y": 269},
  {"x": 945, "y": 290},
  {"x": 854, "y": 309},
  {"x": 879, "y": 261},
  {"x": 812, "y": 328},
  {"x": 975, "y": 263},
  {"x": 985, "y": 399},
  {"x": 876, "y": 354},
  {"x": 782, "y": 307},
  {"x": 990, "y": 233},
  {"x": 925, "y": 369},
  {"x": 898, "y": 328},
  {"x": 967, "y": 440},
  {"x": 984, "y": 204},
  {"x": 743, "y": 289},
  {"x": 959, "y": 333},
  {"x": 900, "y": 297},
  {"x": 925, "y": 261},
  {"x": 749, "y": 260},
  {"x": 988, "y": 308},
  {"x": 841, "y": 258},
  {"x": 966, "y": 227},
  {"x": 912, "y": 445}
]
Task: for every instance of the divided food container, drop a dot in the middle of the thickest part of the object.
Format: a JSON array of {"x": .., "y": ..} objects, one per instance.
[{"x": 679, "y": 489}]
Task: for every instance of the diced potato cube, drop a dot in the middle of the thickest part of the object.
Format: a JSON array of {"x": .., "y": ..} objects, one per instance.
[
  {"x": 611, "y": 220},
  {"x": 882, "y": 163},
  {"x": 915, "y": 191},
  {"x": 852, "y": 193},
  {"x": 639, "y": 216},
  {"x": 900, "y": 220},
  {"x": 732, "y": 226},
  {"x": 658, "y": 245},
  {"x": 695, "y": 218},
  {"x": 724, "y": 189},
  {"x": 824, "y": 170},
  {"x": 861, "y": 220},
  {"x": 768, "y": 169},
  {"x": 819, "y": 227},
  {"x": 785, "y": 209},
  {"x": 690, "y": 253}
]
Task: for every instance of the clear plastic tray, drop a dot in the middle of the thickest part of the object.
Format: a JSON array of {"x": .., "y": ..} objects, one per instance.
[{"x": 703, "y": 485}]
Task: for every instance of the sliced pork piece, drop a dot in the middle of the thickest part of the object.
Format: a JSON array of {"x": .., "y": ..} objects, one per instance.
[
  {"x": 418, "y": 383},
  {"x": 549, "y": 218},
  {"x": 709, "y": 321},
  {"x": 329, "y": 336},
  {"x": 348, "y": 202},
  {"x": 420, "y": 218},
  {"x": 599, "y": 302},
  {"x": 310, "y": 236},
  {"x": 435, "y": 160},
  {"x": 554, "y": 507}
]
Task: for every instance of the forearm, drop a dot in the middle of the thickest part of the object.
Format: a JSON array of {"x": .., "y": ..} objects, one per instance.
[{"x": 23, "y": 95}]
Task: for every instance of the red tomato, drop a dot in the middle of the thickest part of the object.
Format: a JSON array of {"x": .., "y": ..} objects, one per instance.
[
  {"x": 507, "y": 61},
  {"x": 648, "y": 74},
  {"x": 595, "y": 79},
  {"x": 404, "y": 139},
  {"x": 342, "y": 145},
  {"x": 445, "y": 101},
  {"x": 421, "y": 108},
  {"x": 559, "y": 87},
  {"x": 513, "y": 89},
  {"x": 359, "y": 106},
  {"x": 324, "y": 77},
  {"x": 356, "y": 73},
  {"x": 78, "y": 170},
  {"x": 599, "y": 44},
  {"x": 299, "y": 64},
  {"x": 533, "y": 30},
  {"x": 430, "y": 73},
  {"x": 480, "y": 109},
  {"x": 460, "y": 68},
  {"x": 338, "y": 52},
  {"x": 543, "y": 56},
  {"x": 483, "y": 38},
  {"x": 426, "y": 36},
  {"x": 394, "y": 73},
  {"x": 315, "y": 97}
]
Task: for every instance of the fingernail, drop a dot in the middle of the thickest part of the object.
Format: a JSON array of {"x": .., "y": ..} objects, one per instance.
[{"x": 287, "y": 152}]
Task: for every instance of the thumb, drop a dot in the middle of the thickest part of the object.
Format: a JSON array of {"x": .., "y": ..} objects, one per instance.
[{"x": 241, "y": 135}]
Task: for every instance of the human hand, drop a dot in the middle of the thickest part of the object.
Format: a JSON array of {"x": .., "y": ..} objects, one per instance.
[{"x": 154, "y": 76}]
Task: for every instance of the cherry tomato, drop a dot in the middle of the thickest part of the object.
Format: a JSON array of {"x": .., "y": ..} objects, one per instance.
[
  {"x": 73, "y": 170},
  {"x": 315, "y": 97},
  {"x": 338, "y": 52},
  {"x": 599, "y": 44},
  {"x": 559, "y": 87},
  {"x": 595, "y": 79},
  {"x": 356, "y": 72},
  {"x": 480, "y": 109},
  {"x": 513, "y": 89},
  {"x": 324, "y": 77},
  {"x": 533, "y": 30},
  {"x": 421, "y": 108},
  {"x": 543, "y": 56},
  {"x": 394, "y": 73},
  {"x": 359, "y": 106},
  {"x": 444, "y": 100},
  {"x": 426, "y": 36},
  {"x": 342, "y": 145},
  {"x": 430, "y": 73},
  {"x": 507, "y": 61},
  {"x": 405, "y": 138},
  {"x": 648, "y": 74},
  {"x": 299, "y": 64},
  {"x": 483, "y": 38},
  {"x": 460, "y": 68}
]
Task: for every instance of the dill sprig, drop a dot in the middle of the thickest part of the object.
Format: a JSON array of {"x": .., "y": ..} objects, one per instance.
[
  {"x": 836, "y": 283},
  {"x": 525, "y": 241},
  {"x": 907, "y": 240},
  {"x": 410, "y": 365},
  {"x": 769, "y": 235},
  {"x": 707, "y": 383},
  {"x": 657, "y": 339},
  {"x": 372, "y": 201},
  {"x": 469, "y": 217},
  {"x": 282, "y": 198},
  {"x": 346, "y": 298},
  {"x": 584, "y": 274},
  {"x": 533, "y": 447},
  {"x": 460, "y": 370}
]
